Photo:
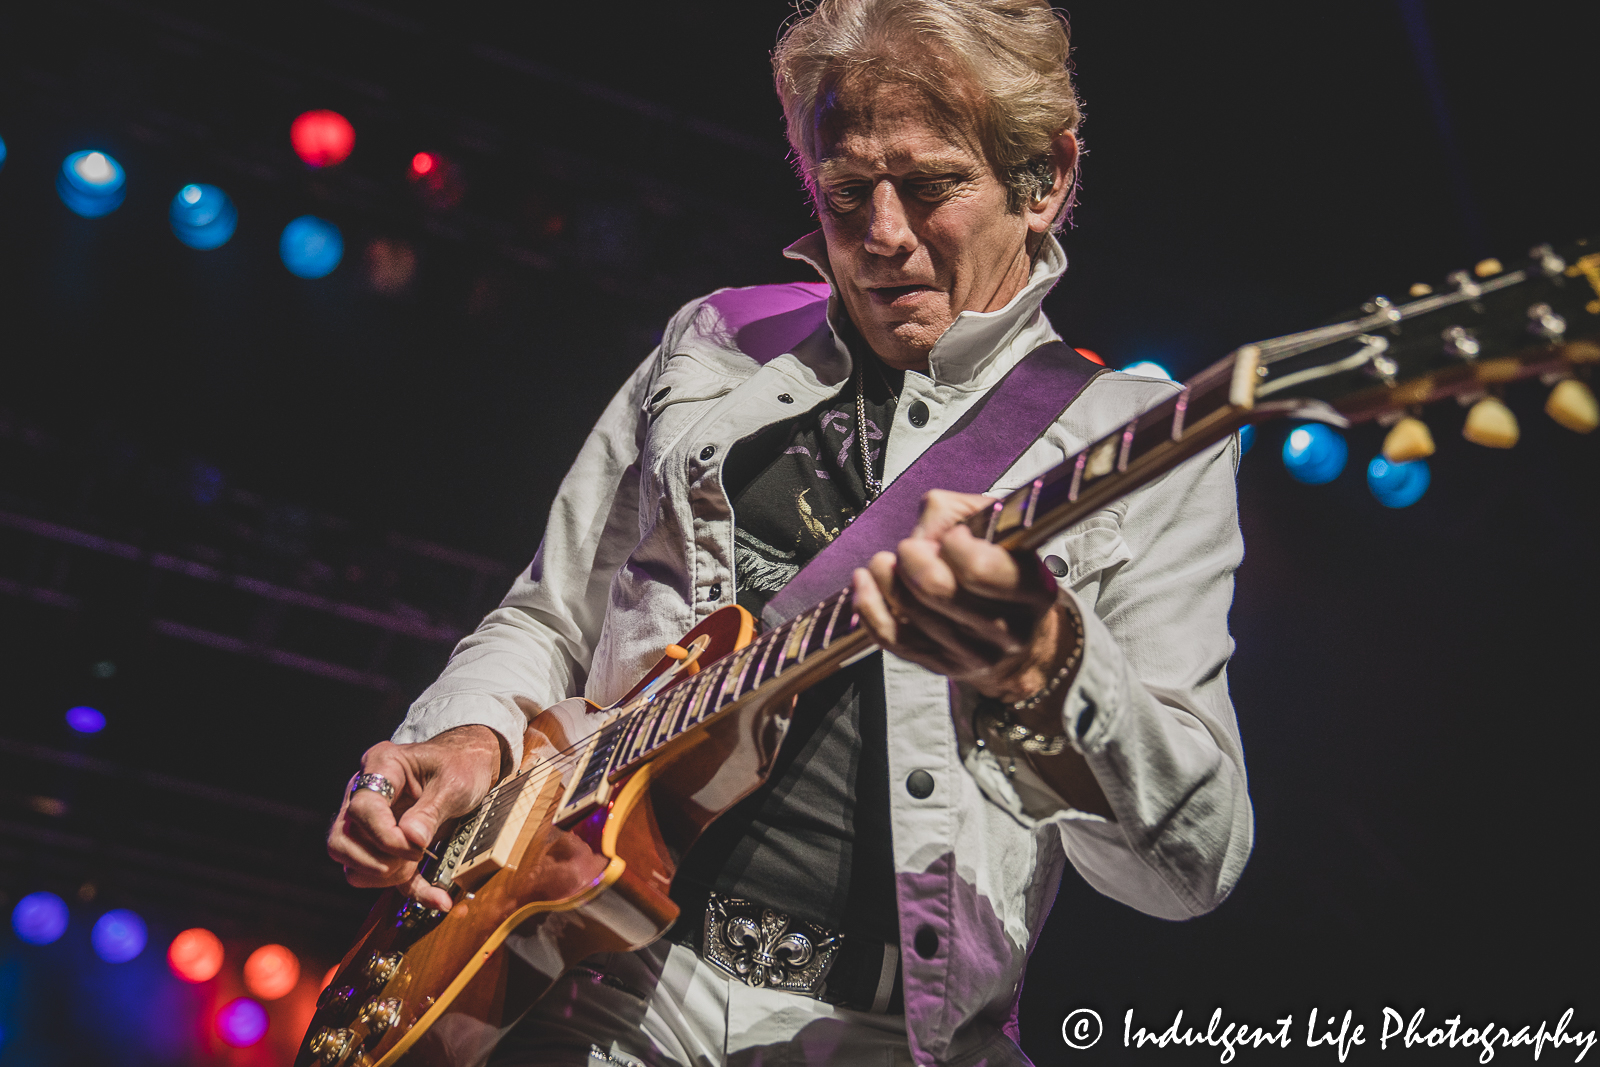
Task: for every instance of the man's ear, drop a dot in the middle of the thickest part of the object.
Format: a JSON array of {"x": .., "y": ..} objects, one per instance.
[{"x": 1042, "y": 213}]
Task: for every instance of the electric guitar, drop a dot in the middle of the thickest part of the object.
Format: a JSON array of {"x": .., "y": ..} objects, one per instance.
[{"x": 576, "y": 852}]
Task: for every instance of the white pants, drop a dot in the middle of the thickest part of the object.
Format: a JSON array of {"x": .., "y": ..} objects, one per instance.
[{"x": 665, "y": 1007}]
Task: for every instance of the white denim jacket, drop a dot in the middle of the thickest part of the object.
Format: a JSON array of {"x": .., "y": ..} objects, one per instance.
[{"x": 639, "y": 548}]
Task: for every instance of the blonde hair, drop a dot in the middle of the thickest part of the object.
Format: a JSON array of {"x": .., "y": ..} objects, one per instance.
[{"x": 1002, "y": 65}]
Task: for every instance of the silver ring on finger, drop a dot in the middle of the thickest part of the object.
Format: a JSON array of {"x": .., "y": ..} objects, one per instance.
[{"x": 377, "y": 783}]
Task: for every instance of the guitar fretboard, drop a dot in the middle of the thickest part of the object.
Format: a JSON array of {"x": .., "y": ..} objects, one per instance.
[
  {"x": 1154, "y": 442},
  {"x": 636, "y": 737},
  {"x": 1198, "y": 415}
]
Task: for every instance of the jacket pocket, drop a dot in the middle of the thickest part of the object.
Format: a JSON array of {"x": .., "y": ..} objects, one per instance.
[
  {"x": 677, "y": 401},
  {"x": 1089, "y": 550}
]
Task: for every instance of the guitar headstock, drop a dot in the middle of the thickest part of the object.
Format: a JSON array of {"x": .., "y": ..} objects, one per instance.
[
  {"x": 1476, "y": 333},
  {"x": 1467, "y": 338}
]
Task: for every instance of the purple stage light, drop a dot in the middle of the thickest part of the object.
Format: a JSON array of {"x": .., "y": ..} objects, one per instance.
[
  {"x": 86, "y": 720},
  {"x": 205, "y": 483},
  {"x": 40, "y": 918},
  {"x": 118, "y": 936},
  {"x": 242, "y": 1022}
]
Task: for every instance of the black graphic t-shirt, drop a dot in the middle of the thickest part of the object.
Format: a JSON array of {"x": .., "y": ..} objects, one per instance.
[
  {"x": 814, "y": 840},
  {"x": 796, "y": 484}
]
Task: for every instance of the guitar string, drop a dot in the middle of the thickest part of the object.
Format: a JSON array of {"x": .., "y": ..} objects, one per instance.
[
  {"x": 1271, "y": 351},
  {"x": 654, "y": 706},
  {"x": 1294, "y": 344},
  {"x": 712, "y": 681}
]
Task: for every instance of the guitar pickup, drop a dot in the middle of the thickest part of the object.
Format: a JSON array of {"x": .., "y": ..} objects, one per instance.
[{"x": 509, "y": 818}]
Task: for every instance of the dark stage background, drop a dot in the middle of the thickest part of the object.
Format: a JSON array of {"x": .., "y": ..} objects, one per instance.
[{"x": 246, "y": 514}]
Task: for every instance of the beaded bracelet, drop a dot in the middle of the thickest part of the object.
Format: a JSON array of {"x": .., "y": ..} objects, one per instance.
[{"x": 1002, "y": 717}]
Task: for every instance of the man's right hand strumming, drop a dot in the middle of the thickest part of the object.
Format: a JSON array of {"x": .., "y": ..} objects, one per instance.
[{"x": 379, "y": 838}]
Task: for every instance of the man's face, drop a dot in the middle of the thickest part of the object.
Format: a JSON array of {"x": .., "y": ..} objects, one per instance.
[{"x": 915, "y": 221}]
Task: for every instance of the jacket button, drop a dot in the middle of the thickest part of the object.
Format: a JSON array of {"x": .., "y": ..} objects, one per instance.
[
  {"x": 785, "y": 398},
  {"x": 1085, "y": 718},
  {"x": 1056, "y": 566},
  {"x": 707, "y": 452},
  {"x": 715, "y": 592},
  {"x": 920, "y": 784},
  {"x": 918, "y": 414},
  {"x": 926, "y": 942}
]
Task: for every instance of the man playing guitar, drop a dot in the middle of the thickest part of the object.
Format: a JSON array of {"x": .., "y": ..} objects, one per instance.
[{"x": 1026, "y": 710}]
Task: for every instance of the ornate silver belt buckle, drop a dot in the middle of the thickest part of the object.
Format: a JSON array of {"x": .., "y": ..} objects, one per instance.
[{"x": 766, "y": 948}]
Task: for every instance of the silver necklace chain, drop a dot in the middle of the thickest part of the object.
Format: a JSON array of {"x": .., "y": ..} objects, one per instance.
[{"x": 868, "y": 479}]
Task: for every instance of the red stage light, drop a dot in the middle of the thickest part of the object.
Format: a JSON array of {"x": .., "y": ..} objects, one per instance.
[
  {"x": 271, "y": 972},
  {"x": 195, "y": 955},
  {"x": 421, "y": 163},
  {"x": 1091, "y": 356},
  {"x": 322, "y": 138}
]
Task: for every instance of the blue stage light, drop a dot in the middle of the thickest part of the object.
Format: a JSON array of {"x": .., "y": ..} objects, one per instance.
[
  {"x": 1247, "y": 438},
  {"x": 203, "y": 217},
  {"x": 118, "y": 936},
  {"x": 2, "y": 151},
  {"x": 40, "y": 918},
  {"x": 1314, "y": 453},
  {"x": 242, "y": 1022},
  {"x": 91, "y": 184},
  {"x": 1148, "y": 369},
  {"x": 205, "y": 483},
  {"x": 311, "y": 247},
  {"x": 86, "y": 720},
  {"x": 1398, "y": 485}
]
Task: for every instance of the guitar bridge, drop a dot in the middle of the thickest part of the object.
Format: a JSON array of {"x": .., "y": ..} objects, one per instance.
[{"x": 442, "y": 873}]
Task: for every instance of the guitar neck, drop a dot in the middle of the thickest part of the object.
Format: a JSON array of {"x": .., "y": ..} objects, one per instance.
[
  {"x": 1214, "y": 404},
  {"x": 814, "y": 644}
]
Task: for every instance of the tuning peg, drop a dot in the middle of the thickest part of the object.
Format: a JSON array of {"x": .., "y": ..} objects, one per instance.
[
  {"x": 1408, "y": 439},
  {"x": 1491, "y": 424},
  {"x": 1544, "y": 257},
  {"x": 1421, "y": 289},
  {"x": 1572, "y": 404},
  {"x": 1544, "y": 322},
  {"x": 1488, "y": 268}
]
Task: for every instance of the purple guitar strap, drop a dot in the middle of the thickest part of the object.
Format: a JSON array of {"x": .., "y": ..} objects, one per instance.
[{"x": 970, "y": 457}]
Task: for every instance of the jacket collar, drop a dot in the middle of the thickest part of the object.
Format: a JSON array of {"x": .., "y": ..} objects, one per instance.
[{"x": 976, "y": 338}]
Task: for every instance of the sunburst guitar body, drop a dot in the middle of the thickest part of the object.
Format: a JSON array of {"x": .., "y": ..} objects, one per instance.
[
  {"x": 575, "y": 854},
  {"x": 564, "y": 880}
]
